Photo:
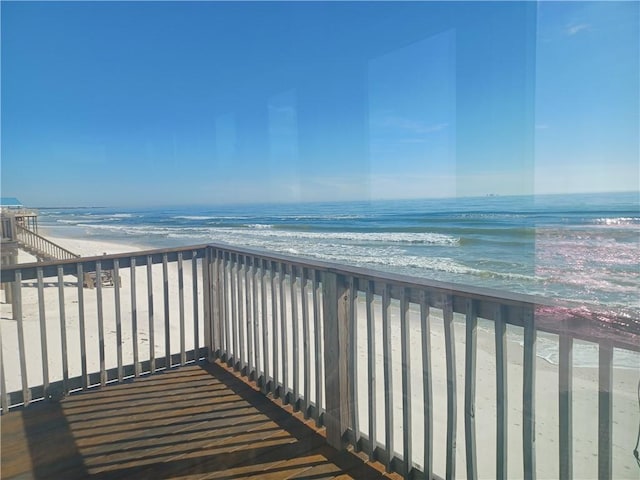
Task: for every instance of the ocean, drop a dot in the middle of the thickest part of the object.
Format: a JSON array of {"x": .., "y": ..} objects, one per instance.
[{"x": 583, "y": 248}]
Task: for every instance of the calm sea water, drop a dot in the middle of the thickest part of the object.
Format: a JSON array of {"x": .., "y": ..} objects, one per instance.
[{"x": 579, "y": 247}]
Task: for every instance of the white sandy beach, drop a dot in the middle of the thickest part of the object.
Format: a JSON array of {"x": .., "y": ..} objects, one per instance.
[{"x": 585, "y": 395}]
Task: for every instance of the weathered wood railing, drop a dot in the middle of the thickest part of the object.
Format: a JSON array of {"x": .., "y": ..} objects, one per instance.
[
  {"x": 344, "y": 345},
  {"x": 41, "y": 246}
]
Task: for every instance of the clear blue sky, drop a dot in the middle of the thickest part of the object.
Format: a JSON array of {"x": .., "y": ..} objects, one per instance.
[{"x": 123, "y": 103}]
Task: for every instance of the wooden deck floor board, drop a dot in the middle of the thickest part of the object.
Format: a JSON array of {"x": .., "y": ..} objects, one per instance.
[{"x": 195, "y": 422}]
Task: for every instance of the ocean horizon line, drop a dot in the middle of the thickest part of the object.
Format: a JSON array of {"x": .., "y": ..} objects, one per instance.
[{"x": 275, "y": 203}]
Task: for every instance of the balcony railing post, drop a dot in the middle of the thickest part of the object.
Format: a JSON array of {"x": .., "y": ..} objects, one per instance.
[
  {"x": 335, "y": 295},
  {"x": 207, "y": 311},
  {"x": 216, "y": 299}
]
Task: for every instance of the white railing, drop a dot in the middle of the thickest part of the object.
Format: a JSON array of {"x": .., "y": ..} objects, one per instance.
[{"x": 374, "y": 357}]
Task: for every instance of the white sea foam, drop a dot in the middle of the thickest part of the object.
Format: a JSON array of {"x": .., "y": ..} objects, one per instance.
[
  {"x": 194, "y": 217},
  {"x": 265, "y": 232},
  {"x": 367, "y": 237},
  {"x": 617, "y": 221}
]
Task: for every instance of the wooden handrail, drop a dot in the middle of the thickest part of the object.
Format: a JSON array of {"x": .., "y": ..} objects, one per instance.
[{"x": 42, "y": 246}]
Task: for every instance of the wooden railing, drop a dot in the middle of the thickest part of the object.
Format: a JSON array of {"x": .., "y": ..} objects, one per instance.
[
  {"x": 344, "y": 345},
  {"x": 40, "y": 246}
]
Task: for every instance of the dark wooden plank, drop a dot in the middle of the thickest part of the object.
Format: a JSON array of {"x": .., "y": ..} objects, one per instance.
[{"x": 237, "y": 433}]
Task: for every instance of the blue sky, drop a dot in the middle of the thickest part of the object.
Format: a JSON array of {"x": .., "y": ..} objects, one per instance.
[{"x": 135, "y": 104}]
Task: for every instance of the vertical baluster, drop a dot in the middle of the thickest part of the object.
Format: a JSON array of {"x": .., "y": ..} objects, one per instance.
[
  {"x": 528, "y": 397},
  {"x": 265, "y": 339},
  {"x": 227, "y": 320},
  {"x": 371, "y": 371},
  {"x": 17, "y": 315},
  {"x": 304, "y": 292},
  {"x": 318, "y": 351},
  {"x": 210, "y": 319},
  {"x": 388, "y": 382},
  {"x": 451, "y": 387},
  {"x": 194, "y": 298},
  {"x": 274, "y": 328},
  {"x": 565, "y": 392},
  {"x": 4, "y": 401},
  {"x": 103, "y": 371},
  {"x": 43, "y": 332},
  {"x": 427, "y": 392},
  {"x": 183, "y": 356},
  {"x": 134, "y": 319},
  {"x": 167, "y": 319},
  {"x": 405, "y": 333},
  {"x": 241, "y": 350},
  {"x": 248, "y": 320},
  {"x": 152, "y": 341},
  {"x": 256, "y": 319},
  {"x": 63, "y": 331},
  {"x": 294, "y": 332},
  {"x": 605, "y": 412},
  {"x": 216, "y": 314},
  {"x": 283, "y": 334},
  {"x": 353, "y": 359},
  {"x": 233, "y": 266},
  {"x": 116, "y": 286},
  {"x": 83, "y": 344},
  {"x": 501, "y": 393},
  {"x": 470, "y": 389}
]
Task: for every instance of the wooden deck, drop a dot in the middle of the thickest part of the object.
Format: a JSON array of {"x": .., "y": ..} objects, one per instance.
[{"x": 195, "y": 422}]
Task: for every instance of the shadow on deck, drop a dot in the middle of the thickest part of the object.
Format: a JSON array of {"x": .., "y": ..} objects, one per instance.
[{"x": 196, "y": 422}]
